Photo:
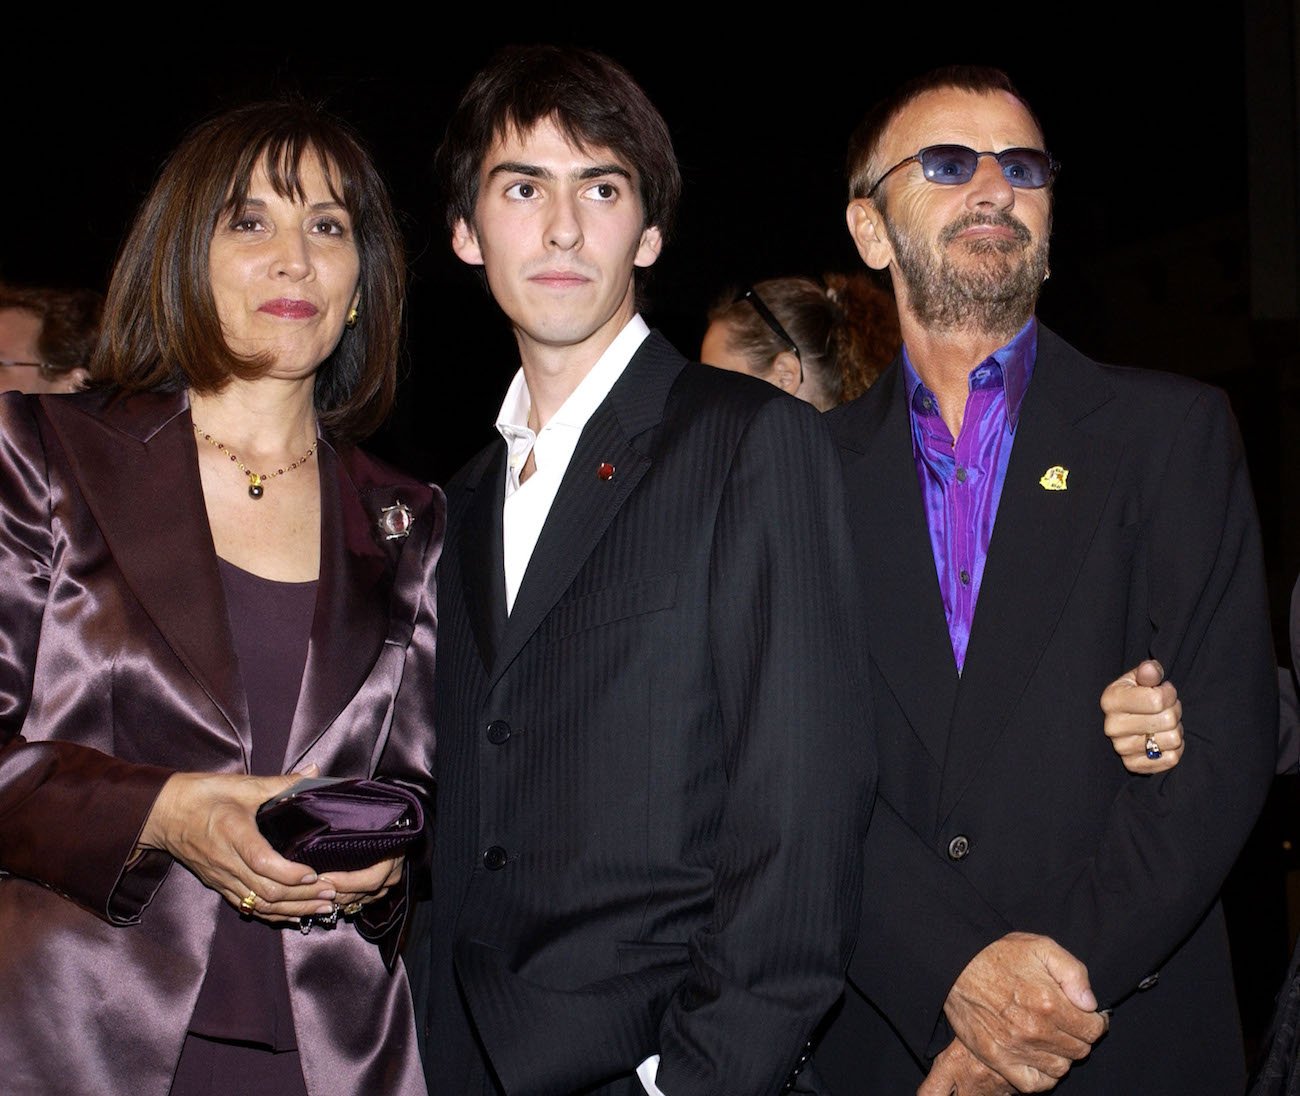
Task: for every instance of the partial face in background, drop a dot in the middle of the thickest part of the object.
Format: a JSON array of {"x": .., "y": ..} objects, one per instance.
[
  {"x": 285, "y": 273},
  {"x": 20, "y": 332},
  {"x": 559, "y": 232}
]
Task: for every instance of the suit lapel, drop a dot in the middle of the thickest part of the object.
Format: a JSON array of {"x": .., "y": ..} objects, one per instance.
[
  {"x": 904, "y": 606},
  {"x": 1038, "y": 545},
  {"x": 586, "y": 503},
  {"x": 352, "y": 602},
  {"x": 136, "y": 462}
]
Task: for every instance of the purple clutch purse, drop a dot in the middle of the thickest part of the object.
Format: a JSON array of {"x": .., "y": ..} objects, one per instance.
[{"x": 339, "y": 824}]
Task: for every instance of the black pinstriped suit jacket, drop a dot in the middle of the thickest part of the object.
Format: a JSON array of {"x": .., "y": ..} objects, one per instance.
[{"x": 653, "y": 777}]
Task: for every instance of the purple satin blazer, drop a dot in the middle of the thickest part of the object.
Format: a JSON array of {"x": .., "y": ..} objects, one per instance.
[{"x": 117, "y": 669}]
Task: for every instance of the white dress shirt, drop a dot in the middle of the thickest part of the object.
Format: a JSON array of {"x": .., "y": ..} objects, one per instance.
[{"x": 528, "y": 503}]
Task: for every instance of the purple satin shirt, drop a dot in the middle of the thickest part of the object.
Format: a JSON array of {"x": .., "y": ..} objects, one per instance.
[{"x": 961, "y": 481}]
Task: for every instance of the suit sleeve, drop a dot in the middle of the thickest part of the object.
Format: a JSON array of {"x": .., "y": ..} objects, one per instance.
[
  {"x": 1288, "y": 731},
  {"x": 1201, "y": 608},
  {"x": 800, "y": 765},
  {"x": 69, "y": 814}
]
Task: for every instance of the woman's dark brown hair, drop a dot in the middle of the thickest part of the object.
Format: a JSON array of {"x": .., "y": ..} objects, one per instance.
[{"x": 160, "y": 327}]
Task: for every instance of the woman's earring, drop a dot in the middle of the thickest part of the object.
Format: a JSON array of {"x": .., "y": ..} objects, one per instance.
[{"x": 352, "y": 317}]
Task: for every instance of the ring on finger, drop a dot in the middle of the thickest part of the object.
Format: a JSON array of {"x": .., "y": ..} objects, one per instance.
[
  {"x": 249, "y": 902},
  {"x": 1152, "y": 748},
  {"x": 353, "y": 908}
]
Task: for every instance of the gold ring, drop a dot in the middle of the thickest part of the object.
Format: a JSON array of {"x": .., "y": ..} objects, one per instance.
[
  {"x": 352, "y": 908},
  {"x": 250, "y": 900}
]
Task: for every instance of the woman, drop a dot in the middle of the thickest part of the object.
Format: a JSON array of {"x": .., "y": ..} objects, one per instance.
[
  {"x": 823, "y": 340},
  {"x": 208, "y": 584}
]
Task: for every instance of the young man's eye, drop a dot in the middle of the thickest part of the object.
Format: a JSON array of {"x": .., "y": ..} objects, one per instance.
[{"x": 522, "y": 190}]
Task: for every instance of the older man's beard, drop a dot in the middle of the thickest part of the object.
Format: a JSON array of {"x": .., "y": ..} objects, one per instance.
[{"x": 993, "y": 291}]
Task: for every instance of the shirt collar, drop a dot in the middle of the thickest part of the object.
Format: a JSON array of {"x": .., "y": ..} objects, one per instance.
[
  {"x": 1014, "y": 361},
  {"x": 512, "y": 419}
]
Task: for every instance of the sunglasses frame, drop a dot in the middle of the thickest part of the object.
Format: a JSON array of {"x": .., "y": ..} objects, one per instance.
[
  {"x": 767, "y": 316},
  {"x": 1053, "y": 167}
]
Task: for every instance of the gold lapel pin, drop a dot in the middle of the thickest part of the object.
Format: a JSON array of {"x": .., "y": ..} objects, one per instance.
[{"x": 1054, "y": 478}]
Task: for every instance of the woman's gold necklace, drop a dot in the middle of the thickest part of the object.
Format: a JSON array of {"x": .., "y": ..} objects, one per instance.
[{"x": 256, "y": 480}]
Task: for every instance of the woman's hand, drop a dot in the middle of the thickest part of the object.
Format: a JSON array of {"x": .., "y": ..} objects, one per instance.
[
  {"x": 207, "y": 822},
  {"x": 1144, "y": 717},
  {"x": 359, "y": 888}
]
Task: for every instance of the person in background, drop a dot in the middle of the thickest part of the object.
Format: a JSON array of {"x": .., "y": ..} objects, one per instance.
[
  {"x": 824, "y": 340},
  {"x": 655, "y": 752},
  {"x": 47, "y": 336},
  {"x": 210, "y": 586},
  {"x": 1033, "y": 522}
]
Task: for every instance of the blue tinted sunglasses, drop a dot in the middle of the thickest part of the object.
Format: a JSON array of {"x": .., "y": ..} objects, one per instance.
[{"x": 952, "y": 165}]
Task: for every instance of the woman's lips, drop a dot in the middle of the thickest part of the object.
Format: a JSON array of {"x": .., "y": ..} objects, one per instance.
[{"x": 289, "y": 309}]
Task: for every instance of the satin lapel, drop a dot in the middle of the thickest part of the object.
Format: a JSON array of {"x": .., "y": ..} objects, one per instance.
[
  {"x": 352, "y": 599},
  {"x": 908, "y": 631},
  {"x": 138, "y": 469},
  {"x": 1038, "y": 545},
  {"x": 480, "y": 552},
  {"x": 585, "y": 503}
]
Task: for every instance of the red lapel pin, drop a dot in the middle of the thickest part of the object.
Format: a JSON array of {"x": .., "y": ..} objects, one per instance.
[{"x": 605, "y": 471}]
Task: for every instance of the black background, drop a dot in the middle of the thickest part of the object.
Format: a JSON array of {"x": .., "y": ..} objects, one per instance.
[{"x": 1150, "y": 261}]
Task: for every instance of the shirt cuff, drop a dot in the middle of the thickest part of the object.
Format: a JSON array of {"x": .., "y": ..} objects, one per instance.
[{"x": 646, "y": 1072}]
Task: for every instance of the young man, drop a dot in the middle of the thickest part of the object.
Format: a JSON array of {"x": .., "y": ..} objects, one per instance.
[
  {"x": 1052, "y": 520},
  {"x": 655, "y": 759}
]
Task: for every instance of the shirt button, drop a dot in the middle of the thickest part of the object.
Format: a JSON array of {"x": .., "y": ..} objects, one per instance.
[
  {"x": 958, "y": 847},
  {"x": 961, "y": 475},
  {"x": 965, "y": 577},
  {"x": 498, "y": 732},
  {"x": 495, "y": 858}
]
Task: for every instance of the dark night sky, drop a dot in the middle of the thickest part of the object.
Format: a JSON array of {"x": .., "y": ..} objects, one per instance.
[{"x": 1150, "y": 128}]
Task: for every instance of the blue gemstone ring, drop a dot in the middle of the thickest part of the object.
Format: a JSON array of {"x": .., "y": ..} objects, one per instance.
[{"x": 1152, "y": 747}]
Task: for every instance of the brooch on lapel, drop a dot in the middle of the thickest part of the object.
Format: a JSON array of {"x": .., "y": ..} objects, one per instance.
[
  {"x": 395, "y": 521},
  {"x": 1054, "y": 478}
]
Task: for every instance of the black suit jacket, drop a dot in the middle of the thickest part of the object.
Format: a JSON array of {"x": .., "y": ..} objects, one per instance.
[
  {"x": 655, "y": 773},
  {"x": 1001, "y": 803}
]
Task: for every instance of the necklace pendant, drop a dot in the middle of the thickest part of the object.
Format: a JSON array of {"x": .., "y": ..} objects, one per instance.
[{"x": 255, "y": 488}]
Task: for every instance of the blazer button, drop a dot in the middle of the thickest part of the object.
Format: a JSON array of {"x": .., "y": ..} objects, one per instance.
[
  {"x": 958, "y": 847},
  {"x": 498, "y": 732},
  {"x": 495, "y": 858},
  {"x": 1149, "y": 981}
]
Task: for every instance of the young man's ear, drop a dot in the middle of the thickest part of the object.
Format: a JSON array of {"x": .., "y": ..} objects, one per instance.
[
  {"x": 464, "y": 242},
  {"x": 652, "y": 242}
]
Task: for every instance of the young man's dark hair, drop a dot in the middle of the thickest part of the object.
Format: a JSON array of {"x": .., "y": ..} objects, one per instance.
[{"x": 593, "y": 101}]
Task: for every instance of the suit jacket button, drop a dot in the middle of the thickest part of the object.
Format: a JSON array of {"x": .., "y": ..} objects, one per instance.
[
  {"x": 1149, "y": 981},
  {"x": 498, "y": 732},
  {"x": 495, "y": 858},
  {"x": 958, "y": 847}
]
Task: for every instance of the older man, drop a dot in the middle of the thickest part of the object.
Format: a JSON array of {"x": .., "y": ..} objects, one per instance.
[{"x": 1051, "y": 522}]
